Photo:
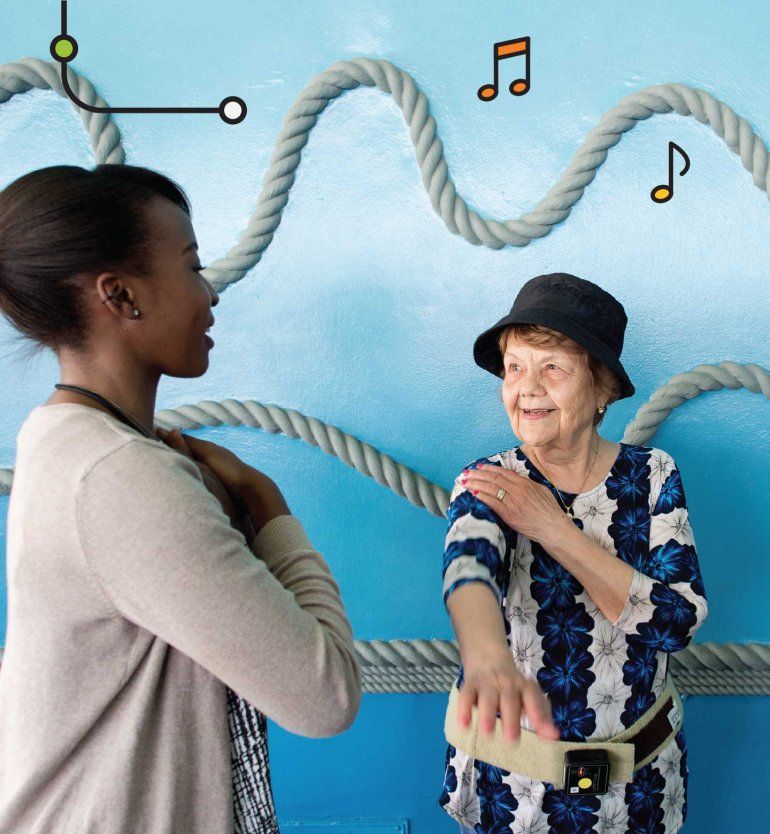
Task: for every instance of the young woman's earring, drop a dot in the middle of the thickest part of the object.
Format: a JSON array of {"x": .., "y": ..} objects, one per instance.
[
  {"x": 136, "y": 312},
  {"x": 602, "y": 409}
]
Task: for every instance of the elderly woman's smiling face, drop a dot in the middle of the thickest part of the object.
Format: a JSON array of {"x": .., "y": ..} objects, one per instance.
[{"x": 548, "y": 392}]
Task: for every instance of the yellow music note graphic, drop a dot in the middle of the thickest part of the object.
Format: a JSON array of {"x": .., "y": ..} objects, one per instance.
[
  {"x": 663, "y": 193},
  {"x": 507, "y": 49}
]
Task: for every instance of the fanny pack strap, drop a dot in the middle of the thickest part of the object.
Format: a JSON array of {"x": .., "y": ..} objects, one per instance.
[{"x": 543, "y": 759}]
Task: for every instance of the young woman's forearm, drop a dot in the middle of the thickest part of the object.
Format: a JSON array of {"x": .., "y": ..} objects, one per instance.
[{"x": 477, "y": 623}]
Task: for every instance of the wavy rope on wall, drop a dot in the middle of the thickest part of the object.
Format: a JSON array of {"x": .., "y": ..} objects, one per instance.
[
  {"x": 302, "y": 116},
  {"x": 411, "y": 666},
  {"x": 429, "y": 665}
]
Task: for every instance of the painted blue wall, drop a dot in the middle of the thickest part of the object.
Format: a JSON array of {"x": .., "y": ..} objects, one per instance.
[{"x": 364, "y": 309}]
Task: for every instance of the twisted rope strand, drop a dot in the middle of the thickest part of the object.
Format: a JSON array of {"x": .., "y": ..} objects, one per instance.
[
  {"x": 421, "y": 665},
  {"x": 342, "y": 76}
]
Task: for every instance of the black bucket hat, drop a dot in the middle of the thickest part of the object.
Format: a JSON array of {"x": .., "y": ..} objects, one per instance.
[{"x": 573, "y": 306}]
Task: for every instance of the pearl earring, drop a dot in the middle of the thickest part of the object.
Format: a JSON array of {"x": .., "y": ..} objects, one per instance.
[
  {"x": 136, "y": 312},
  {"x": 602, "y": 409}
]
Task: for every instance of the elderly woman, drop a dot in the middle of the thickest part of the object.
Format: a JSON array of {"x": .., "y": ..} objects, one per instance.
[{"x": 563, "y": 718}]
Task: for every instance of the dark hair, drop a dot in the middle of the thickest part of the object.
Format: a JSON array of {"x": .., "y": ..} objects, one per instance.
[{"x": 59, "y": 228}]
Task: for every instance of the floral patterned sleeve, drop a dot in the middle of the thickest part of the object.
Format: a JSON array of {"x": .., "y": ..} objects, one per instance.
[
  {"x": 666, "y": 602},
  {"x": 475, "y": 545}
]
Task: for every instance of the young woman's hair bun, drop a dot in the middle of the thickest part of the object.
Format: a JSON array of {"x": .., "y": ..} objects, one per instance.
[{"x": 60, "y": 227}]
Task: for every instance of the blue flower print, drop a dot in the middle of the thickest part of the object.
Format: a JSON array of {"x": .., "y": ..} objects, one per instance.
[
  {"x": 671, "y": 494},
  {"x": 635, "y": 706},
  {"x": 643, "y": 797},
  {"x": 669, "y": 562},
  {"x": 465, "y": 503},
  {"x": 450, "y": 777},
  {"x": 482, "y": 549},
  {"x": 639, "y": 670},
  {"x": 638, "y": 455},
  {"x": 552, "y": 585},
  {"x": 695, "y": 579},
  {"x": 565, "y": 627},
  {"x": 687, "y": 568},
  {"x": 629, "y": 482},
  {"x": 630, "y": 530},
  {"x": 574, "y": 720},
  {"x": 673, "y": 609},
  {"x": 573, "y": 814},
  {"x": 496, "y": 799},
  {"x": 567, "y": 674},
  {"x": 662, "y": 637}
]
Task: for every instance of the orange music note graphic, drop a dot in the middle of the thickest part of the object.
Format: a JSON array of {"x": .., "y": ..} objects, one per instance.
[
  {"x": 663, "y": 193},
  {"x": 507, "y": 49}
]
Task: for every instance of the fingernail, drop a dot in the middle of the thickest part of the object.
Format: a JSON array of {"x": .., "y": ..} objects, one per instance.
[{"x": 475, "y": 491}]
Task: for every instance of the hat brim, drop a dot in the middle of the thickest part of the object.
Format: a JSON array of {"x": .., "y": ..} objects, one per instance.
[{"x": 486, "y": 353}]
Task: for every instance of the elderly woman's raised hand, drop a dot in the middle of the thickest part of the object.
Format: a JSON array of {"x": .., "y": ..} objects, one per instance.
[{"x": 528, "y": 507}]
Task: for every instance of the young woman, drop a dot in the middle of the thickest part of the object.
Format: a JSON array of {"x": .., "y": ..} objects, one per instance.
[{"x": 150, "y": 584}]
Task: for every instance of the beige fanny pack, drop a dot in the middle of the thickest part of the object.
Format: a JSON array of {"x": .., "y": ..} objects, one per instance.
[{"x": 547, "y": 761}]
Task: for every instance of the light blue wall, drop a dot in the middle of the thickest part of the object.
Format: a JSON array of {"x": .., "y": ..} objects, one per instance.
[{"x": 364, "y": 309}]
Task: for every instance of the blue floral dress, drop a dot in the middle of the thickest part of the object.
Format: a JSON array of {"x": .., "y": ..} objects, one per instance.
[{"x": 599, "y": 676}]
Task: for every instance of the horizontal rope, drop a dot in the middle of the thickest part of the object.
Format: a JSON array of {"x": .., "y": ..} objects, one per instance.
[
  {"x": 432, "y": 665},
  {"x": 414, "y": 666},
  {"x": 429, "y": 665}
]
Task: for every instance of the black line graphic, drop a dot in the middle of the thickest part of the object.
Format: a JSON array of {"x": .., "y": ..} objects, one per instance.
[{"x": 64, "y": 48}]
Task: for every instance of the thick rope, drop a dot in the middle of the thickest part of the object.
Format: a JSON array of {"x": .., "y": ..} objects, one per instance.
[
  {"x": 688, "y": 385},
  {"x": 272, "y": 418},
  {"x": 302, "y": 116},
  {"x": 404, "y": 481},
  {"x": 429, "y": 665},
  {"x": 411, "y": 666},
  {"x": 419, "y": 663},
  {"x": 32, "y": 72}
]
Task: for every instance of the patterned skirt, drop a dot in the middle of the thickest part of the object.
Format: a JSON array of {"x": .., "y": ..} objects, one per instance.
[{"x": 252, "y": 794}]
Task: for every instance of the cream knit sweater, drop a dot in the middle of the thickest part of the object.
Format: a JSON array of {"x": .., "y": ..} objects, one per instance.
[{"x": 132, "y": 602}]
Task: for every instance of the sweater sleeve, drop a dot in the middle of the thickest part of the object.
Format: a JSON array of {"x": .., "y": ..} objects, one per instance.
[
  {"x": 666, "y": 604},
  {"x": 272, "y": 628},
  {"x": 475, "y": 545}
]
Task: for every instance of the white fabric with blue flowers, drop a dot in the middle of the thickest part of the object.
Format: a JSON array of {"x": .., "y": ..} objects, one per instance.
[{"x": 599, "y": 676}]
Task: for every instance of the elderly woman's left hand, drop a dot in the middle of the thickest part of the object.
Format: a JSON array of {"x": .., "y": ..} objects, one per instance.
[{"x": 528, "y": 507}]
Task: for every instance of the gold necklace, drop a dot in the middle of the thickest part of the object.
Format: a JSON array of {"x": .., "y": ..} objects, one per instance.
[{"x": 567, "y": 509}]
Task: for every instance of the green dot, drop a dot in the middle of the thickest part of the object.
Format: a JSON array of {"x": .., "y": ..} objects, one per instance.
[{"x": 64, "y": 48}]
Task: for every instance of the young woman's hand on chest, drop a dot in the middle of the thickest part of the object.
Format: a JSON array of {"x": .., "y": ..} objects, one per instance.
[{"x": 231, "y": 505}]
